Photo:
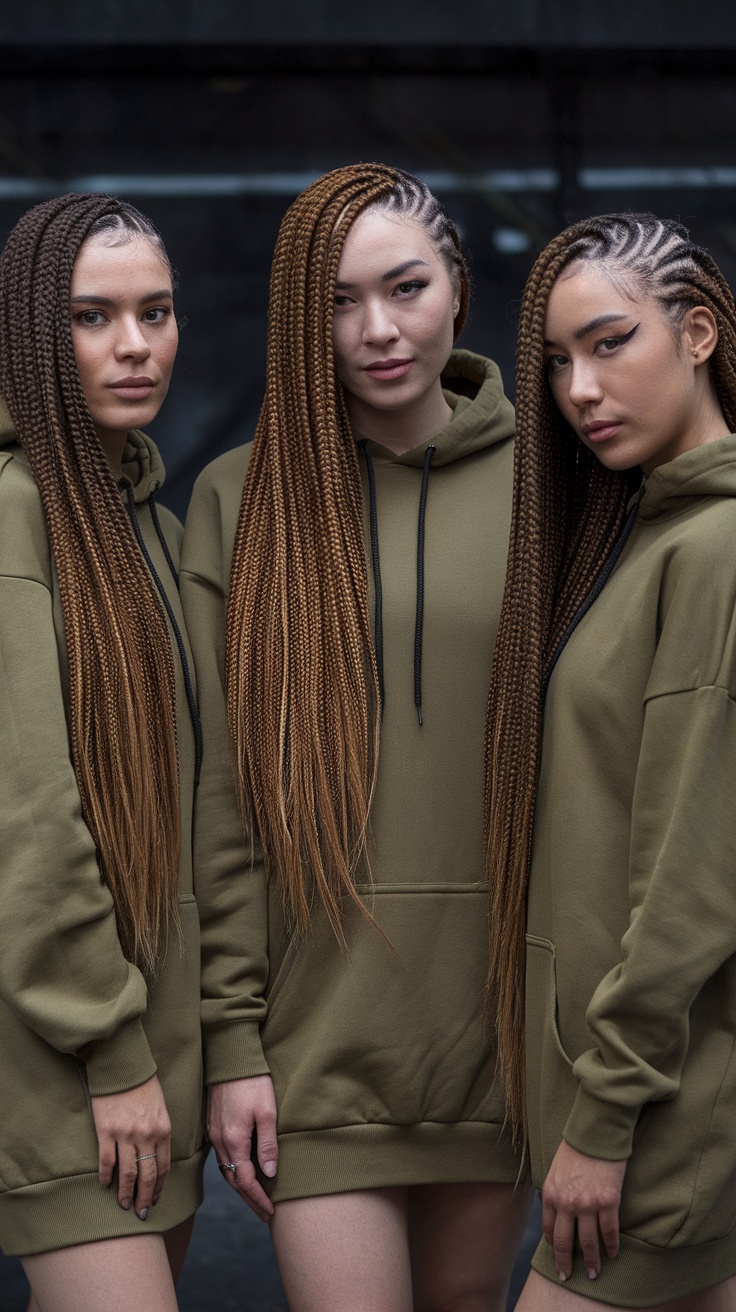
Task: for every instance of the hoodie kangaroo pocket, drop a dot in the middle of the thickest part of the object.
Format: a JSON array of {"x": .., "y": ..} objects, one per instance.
[{"x": 551, "y": 1085}]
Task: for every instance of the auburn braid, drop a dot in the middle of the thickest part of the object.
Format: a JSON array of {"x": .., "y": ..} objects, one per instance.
[
  {"x": 121, "y": 668},
  {"x": 302, "y": 682},
  {"x": 567, "y": 512}
]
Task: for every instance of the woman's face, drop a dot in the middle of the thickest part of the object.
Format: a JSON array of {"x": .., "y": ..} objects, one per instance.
[
  {"x": 634, "y": 391},
  {"x": 123, "y": 331},
  {"x": 395, "y": 305}
]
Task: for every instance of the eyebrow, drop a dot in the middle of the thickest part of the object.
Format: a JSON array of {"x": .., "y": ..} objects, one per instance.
[
  {"x": 106, "y": 300},
  {"x": 387, "y": 277},
  {"x": 599, "y": 321}
]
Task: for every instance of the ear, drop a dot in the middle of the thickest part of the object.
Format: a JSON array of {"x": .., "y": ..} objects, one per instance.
[{"x": 699, "y": 333}]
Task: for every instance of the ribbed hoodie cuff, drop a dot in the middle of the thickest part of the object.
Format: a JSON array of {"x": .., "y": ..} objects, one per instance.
[
  {"x": 233, "y": 1051},
  {"x": 600, "y": 1129},
  {"x": 121, "y": 1062}
]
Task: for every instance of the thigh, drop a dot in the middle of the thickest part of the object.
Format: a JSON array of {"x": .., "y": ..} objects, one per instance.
[
  {"x": 463, "y": 1240},
  {"x": 344, "y": 1251},
  {"x": 542, "y": 1295},
  {"x": 177, "y": 1243},
  {"x": 114, "y": 1274}
]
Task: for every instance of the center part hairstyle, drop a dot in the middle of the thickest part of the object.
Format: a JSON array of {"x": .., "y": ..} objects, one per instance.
[
  {"x": 568, "y": 510},
  {"x": 121, "y": 671},
  {"x": 302, "y": 682}
]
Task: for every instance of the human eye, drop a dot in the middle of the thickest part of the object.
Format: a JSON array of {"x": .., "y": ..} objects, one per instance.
[
  {"x": 89, "y": 318},
  {"x": 607, "y": 345},
  {"x": 410, "y": 287},
  {"x": 156, "y": 314},
  {"x": 555, "y": 363},
  {"x": 342, "y": 300}
]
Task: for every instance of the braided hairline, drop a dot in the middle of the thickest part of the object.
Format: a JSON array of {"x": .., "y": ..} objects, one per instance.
[
  {"x": 121, "y": 671},
  {"x": 567, "y": 513}
]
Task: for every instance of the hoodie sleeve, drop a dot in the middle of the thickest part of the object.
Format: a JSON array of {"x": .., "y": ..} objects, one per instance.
[
  {"x": 229, "y": 887},
  {"x": 682, "y": 892},
  {"x": 62, "y": 970}
]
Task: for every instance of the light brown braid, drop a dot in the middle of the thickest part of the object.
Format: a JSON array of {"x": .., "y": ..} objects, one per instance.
[
  {"x": 567, "y": 512},
  {"x": 302, "y": 682},
  {"x": 121, "y": 669}
]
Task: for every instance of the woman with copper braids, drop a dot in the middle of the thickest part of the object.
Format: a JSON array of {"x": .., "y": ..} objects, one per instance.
[
  {"x": 99, "y": 960},
  {"x": 342, "y": 580},
  {"x": 611, "y": 754}
]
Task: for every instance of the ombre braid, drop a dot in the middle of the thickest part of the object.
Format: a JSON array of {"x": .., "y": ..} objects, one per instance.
[
  {"x": 302, "y": 683},
  {"x": 567, "y": 512},
  {"x": 121, "y": 669}
]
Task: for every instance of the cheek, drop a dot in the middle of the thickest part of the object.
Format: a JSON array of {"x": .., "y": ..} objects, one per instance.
[{"x": 89, "y": 361}]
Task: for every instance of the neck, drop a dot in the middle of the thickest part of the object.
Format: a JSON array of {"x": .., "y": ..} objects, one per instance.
[
  {"x": 400, "y": 430},
  {"x": 113, "y": 444}
]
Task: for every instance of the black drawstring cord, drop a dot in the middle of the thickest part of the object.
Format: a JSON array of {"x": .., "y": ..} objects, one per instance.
[
  {"x": 191, "y": 699},
  {"x": 428, "y": 454},
  {"x": 376, "y": 563},
  {"x": 162, "y": 539},
  {"x": 596, "y": 589}
]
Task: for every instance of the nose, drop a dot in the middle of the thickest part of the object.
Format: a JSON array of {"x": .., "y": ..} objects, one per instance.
[
  {"x": 379, "y": 327},
  {"x": 131, "y": 341},
  {"x": 583, "y": 383}
]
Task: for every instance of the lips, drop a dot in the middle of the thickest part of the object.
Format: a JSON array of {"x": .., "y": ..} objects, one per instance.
[
  {"x": 602, "y": 429},
  {"x": 134, "y": 388},
  {"x": 388, "y": 370}
]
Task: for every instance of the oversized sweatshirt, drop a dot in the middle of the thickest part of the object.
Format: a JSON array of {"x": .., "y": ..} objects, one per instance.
[
  {"x": 383, "y": 1066},
  {"x": 631, "y": 958},
  {"x": 77, "y": 1018}
]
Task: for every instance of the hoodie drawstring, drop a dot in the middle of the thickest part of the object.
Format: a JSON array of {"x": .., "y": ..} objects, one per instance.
[
  {"x": 596, "y": 589},
  {"x": 376, "y": 564},
  {"x": 428, "y": 454},
  {"x": 188, "y": 685}
]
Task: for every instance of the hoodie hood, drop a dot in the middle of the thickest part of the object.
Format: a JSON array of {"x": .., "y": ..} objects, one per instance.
[
  {"x": 142, "y": 464},
  {"x": 706, "y": 471},
  {"x": 482, "y": 415}
]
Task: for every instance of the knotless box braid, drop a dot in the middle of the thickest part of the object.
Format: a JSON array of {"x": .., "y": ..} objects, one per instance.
[
  {"x": 567, "y": 512},
  {"x": 302, "y": 683},
  {"x": 121, "y": 669}
]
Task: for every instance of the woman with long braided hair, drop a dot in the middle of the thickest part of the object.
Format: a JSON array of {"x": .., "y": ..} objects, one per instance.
[
  {"x": 344, "y": 970},
  {"x": 611, "y": 821},
  {"x": 101, "y": 1147}
]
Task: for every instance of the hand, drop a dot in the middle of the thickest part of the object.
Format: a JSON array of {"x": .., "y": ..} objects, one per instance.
[
  {"x": 587, "y": 1191},
  {"x": 235, "y": 1109},
  {"x": 131, "y": 1125}
]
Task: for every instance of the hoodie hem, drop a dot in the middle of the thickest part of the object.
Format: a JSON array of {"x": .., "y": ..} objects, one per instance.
[
  {"x": 55, "y": 1214},
  {"x": 643, "y": 1275},
  {"x": 352, "y": 1157}
]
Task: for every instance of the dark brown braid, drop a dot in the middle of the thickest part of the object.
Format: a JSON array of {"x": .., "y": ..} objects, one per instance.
[
  {"x": 302, "y": 682},
  {"x": 567, "y": 512},
  {"x": 121, "y": 669}
]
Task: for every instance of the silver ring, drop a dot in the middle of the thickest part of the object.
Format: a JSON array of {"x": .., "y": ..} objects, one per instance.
[
  {"x": 227, "y": 1166},
  {"x": 145, "y": 1157}
]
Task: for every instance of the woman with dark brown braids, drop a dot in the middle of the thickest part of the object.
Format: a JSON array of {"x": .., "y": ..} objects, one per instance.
[
  {"x": 612, "y": 758},
  {"x": 101, "y": 1147},
  {"x": 344, "y": 974}
]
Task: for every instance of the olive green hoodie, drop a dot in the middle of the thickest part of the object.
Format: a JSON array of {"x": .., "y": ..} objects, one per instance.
[
  {"x": 384, "y": 1072},
  {"x": 76, "y": 1018},
  {"x": 631, "y": 966}
]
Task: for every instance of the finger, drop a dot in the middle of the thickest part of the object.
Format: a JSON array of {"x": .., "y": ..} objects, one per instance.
[
  {"x": 564, "y": 1236},
  {"x": 243, "y": 1180},
  {"x": 608, "y": 1222},
  {"x": 588, "y": 1240},
  {"x": 147, "y": 1173},
  {"x": 268, "y": 1147},
  {"x": 107, "y": 1161},
  {"x": 549, "y": 1216},
  {"x": 163, "y": 1166},
  {"x": 127, "y": 1174}
]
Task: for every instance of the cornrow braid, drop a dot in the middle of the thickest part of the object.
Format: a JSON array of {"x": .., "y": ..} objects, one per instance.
[
  {"x": 302, "y": 682},
  {"x": 121, "y": 669},
  {"x": 567, "y": 513}
]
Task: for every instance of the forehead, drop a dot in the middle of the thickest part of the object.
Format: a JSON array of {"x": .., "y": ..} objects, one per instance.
[
  {"x": 585, "y": 291},
  {"x": 378, "y": 241},
  {"x": 128, "y": 265}
]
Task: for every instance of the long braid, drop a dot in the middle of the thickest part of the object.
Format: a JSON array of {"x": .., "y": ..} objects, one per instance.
[
  {"x": 302, "y": 683},
  {"x": 567, "y": 512},
  {"x": 121, "y": 669}
]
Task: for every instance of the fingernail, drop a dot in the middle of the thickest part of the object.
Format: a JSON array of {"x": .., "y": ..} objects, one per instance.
[
  {"x": 269, "y": 1169},
  {"x": 143, "y": 1213},
  {"x": 562, "y": 1275},
  {"x": 125, "y": 1204},
  {"x": 592, "y": 1273}
]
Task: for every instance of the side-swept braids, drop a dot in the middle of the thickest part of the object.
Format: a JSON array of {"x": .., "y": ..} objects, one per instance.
[
  {"x": 567, "y": 512},
  {"x": 121, "y": 669},
  {"x": 302, "y": 684}
]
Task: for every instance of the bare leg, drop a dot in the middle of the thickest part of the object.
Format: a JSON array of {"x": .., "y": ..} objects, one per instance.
[
  {"x": 114, "y": 1274},
  {"x": 542, "y": 1295},
  {"x": 463, "y": 1241},
  {"x": 344, "y": 1251},
  {"x": 177, "y": 1243}
]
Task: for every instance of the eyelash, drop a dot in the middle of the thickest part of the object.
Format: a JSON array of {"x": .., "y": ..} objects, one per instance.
[
  {"x": 405, "y": 288},
  {"x": 602, "y": 341},
  {"x": 81, "y": 318}
]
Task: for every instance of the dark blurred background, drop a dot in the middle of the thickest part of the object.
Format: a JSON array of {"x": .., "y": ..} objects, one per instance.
[{"x": 211, "y": 115}]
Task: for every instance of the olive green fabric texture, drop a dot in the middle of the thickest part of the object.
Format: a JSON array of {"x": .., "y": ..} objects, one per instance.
[
  {"x": 631, "y": 972},
  {"x": 76, "y": 1018},
  {"x": 383, "y": 1067}
]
